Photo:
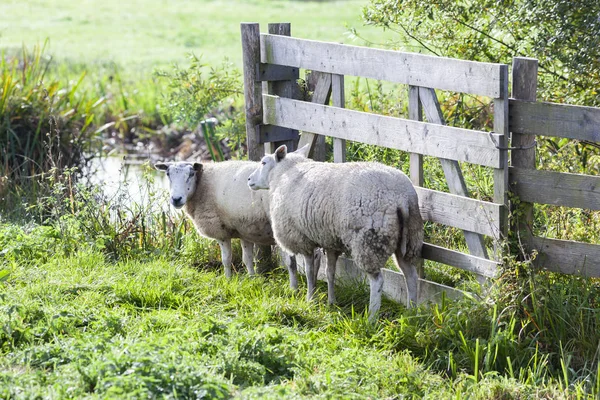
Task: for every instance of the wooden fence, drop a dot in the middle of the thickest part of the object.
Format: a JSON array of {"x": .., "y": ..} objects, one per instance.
[
  {"x": 275, "y": 115},
  {"x": 529, "y": 118}
]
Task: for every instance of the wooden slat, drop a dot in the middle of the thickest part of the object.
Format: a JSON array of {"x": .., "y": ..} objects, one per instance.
[
  {"x": 321, "y": 95},
  {"x": 410, "y": 68},
  {"x": 452, "y": 171},
  {"x": 501, "y": 174},
  {"x": 338, "y": 99},
  {"x": 428, "y": 139},
  {"x": 272, "y": 72},
  {"x": 556, "y": 188},
  {"x": 478, "y": 265},
  {"x": 460, "y": 212},
  {"x": 415, "y": 112},
  {"x": 394, "y": 284},
  {"x": 274, "y": 133},
  {"x": 551, "y": 119},
  {"x": 566, "y": 256}
]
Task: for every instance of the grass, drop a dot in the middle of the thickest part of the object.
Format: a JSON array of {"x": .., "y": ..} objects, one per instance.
[
  {"x": 81, "y": 326},
  {"x": 140, "y": 35}
]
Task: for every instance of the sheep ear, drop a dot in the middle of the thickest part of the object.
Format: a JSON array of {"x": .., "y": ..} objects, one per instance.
[
  {"x": 304, "y": 150},
  {"x": 197, "y": 167},
  {"x": 161, "y": 166},
  {"x": 281, "y": 152}
]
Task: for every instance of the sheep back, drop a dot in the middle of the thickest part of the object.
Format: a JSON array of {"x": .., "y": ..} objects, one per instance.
[
  {"x": 222, "y": 207},
  {"x": 366, "y": 209}
]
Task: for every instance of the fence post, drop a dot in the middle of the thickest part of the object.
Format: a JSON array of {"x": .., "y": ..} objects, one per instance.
[
  {"x": 252, "y": 88},
  {"x": 501, "y": 174},
  {"x": 524, "y": 87},
  {"x": 285, "y": 88},
  {"x": 254, "y": 114}
]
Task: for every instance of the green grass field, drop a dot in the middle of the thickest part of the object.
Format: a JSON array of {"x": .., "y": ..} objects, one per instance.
[{"x": 140, "y": 34}]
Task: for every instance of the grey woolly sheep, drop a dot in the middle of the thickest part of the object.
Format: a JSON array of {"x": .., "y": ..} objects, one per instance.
[
  {"x": 368, "y": 210},
  {"x": 217, "y": 200}
]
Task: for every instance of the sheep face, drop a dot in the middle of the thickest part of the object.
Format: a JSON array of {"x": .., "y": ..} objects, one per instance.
[
  {"x": 259, "y": 179},
  {"x": 182, "y": 178}
]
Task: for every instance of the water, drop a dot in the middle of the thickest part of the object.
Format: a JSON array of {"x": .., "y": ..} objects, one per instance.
[{"x": 130, "y": 178}]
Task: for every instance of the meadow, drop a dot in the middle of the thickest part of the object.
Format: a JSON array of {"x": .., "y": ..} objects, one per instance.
[{"x": 101, "y": 297}]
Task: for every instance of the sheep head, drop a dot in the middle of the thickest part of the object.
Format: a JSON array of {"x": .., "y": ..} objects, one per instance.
[
  {"x": 182, "y": 179},
  {"x": 259, "y": 179}
]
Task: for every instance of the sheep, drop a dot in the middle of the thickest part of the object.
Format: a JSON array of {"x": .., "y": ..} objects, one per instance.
[
  {"x": 368, "y": 210},
  {"x": 215, "y": 197}
]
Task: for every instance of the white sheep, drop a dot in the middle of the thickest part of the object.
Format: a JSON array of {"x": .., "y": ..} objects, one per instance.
[
  {"x": 217, "y": 200},
  {"x": 366, "y": 209}
]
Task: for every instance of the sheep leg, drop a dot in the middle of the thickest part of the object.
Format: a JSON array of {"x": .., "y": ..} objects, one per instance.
[
  {"x": 226, "y": 256},
  {"x": 412, "y": 279},
  {"x": 332, "y": 257},
  {"x": 248, "y": 256},
  {"x": 309, "y": 265},
  {"x": 293, "y": 271},
  {"x": 376, "y": 285}
]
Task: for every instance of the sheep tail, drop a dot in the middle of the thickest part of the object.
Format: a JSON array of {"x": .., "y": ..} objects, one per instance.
[{"x": 411, "y": 232}]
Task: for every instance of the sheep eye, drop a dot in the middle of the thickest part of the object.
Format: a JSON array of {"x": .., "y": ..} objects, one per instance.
[{"x": 263, "y": 163}]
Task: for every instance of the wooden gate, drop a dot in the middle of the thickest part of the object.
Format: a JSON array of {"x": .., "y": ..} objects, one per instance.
[{"x": 274, "y": 115}]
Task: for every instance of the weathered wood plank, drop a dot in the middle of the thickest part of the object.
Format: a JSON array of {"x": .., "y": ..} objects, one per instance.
[
  {"x": 566, "y": 256},
  {"x": 272, "y": 72},
  {"x": 452, "y": 171},
  {"x": 338, "y": 99},
  {"x": 478, "y": 265},
  {"x": 556, "y": 188},
  {"x": 321, "y": 95},
  {"x": 274, "y": 133},
  {"x": 524, "y": 87},
  {"x": 551, "y": 119},
  {"x": 501, "y": 173},
  {"x": 410, "y": 68},
  {"x": 428, "y": 139},
  {"x": 252, "y": 88},
  {"x": 394, "y": 284},
  {"x": 460, "y": 212},
  {"x": 415, "y": 112}
]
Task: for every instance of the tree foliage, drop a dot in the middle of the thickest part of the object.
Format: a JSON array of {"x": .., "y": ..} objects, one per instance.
[{"x": 564, "y": 35}]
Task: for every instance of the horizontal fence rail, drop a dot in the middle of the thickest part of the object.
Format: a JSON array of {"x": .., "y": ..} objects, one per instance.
[
  {"x": 442, "y": 141},
  {"x": 551, "y": 119},
  {"x": 460, "y": 212},
  {"x": 556, "y": 188},
  {"x": 478, "y": 265},
  {"x": 566, "y": 256},
  {"x": 484, "y": 79}
]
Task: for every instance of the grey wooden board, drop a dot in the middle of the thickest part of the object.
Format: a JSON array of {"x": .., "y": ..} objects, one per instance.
[
  {"x": 321, "y": 95},
  {"x": 478, "y": 265},
  {"x": 556, "y": 188},
  {"x": 273, "y": 72},
  {"x": 551, "y": 119},
  {"x": 415, "y": 112},
  {"x": 274, "y": 133},
  {"x": 501, "y": 174},
  {"x": 460, "y": 212},
  {"x": 452, "y": 171},
  {"x": 566, "y": 256},
  {"x": 410, "y": 68},
  {"x": 394, "y": 284},
  {"x": 476, "y": 147},
  {"x": 338, "y": 99}
]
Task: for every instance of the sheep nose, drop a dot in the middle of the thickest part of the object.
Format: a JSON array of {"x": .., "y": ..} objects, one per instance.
[{"x": 176, "y": 200}]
